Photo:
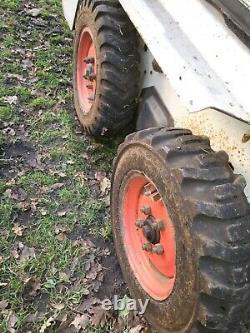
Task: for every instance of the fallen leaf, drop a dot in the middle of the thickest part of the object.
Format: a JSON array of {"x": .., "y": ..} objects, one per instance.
[
  {"x": 9, "y": 131},
  {"x": 27, "y": 63},
  {"x": 24, "y": 206},
  {"x": 43, "y": 212},
  {"x": 59, "y": 173},
  {"x": 23, "y": 252},
  {"x": 34, "y": 12},
  {"x": 62, "y": 213},
  {"x": 93, "y": 272},
  {"x": 3, "y": 305},
  {"x": 57, "y": 306},
  {"x": 64, "y": 277},
  {"x": 98, "y": 317},
  {"x": 32, "y": 286},
  {"x": 105, "y": 185},
  {"x": 61, "y": 229},
  {"x": 15, "y": 254},
  {"x": 17, "y": 194},
  {"x": 10, "y": 99},
  {"x": 80, "y": 322},
  {"x": 46, "y": 324},
  {"x": 11, "y": 322},
  {"x": 88, "y": 304},
  {"x": 17, "y": 229},
  {"x": 82, "y": 177},
  {"x": 60, "y": 237},
  {"x": 27, "y": 253},
  {"x": 52, "y": 188}
]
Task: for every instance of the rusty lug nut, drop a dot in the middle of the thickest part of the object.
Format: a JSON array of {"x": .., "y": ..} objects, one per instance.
[
  {"x": 147, "y": 247},
  {"x": 140, "y": 223},
  {"x": 158, "y": 249},
  {"x": 89, "y": 60},
  {"x": 92, "y": 77},
  {"x": 146, "y": 210}
]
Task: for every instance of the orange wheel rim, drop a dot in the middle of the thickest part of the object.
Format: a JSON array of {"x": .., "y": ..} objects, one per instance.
[
  {"x": 86, "y": 70},
  {"x": 149, "y": 237}
]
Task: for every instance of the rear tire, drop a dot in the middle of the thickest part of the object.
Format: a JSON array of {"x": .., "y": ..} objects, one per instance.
[
  {"x": 211, "y": 217},
  {"x": 116, "y": 87}
]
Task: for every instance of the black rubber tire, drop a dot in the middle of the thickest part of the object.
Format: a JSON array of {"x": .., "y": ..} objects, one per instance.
[
  {"x": 118, "y": 75},
  {"x": 211, "y": 216}
]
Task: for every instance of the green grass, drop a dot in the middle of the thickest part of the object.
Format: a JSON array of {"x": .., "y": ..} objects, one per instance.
[
  {"x": 44, "y": 117},
  {"x": 5, "y": 113}
]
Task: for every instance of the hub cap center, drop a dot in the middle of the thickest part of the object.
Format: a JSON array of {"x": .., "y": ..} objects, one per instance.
[{"x": 151, "y": 231}]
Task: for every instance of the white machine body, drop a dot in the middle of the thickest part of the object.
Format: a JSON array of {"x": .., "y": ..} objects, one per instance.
[{"x": 205, "y": 79}]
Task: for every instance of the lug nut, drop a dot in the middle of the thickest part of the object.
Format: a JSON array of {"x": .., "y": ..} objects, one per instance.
[
  {"x": 140, "y": 223},
  {"x": 92, "y": 77},
  {"x": 158, "y": 249},
  {"x": 147, "y": 247},
  {"x": 89, "y": 60},
  {"x": 146, "y": 210}
]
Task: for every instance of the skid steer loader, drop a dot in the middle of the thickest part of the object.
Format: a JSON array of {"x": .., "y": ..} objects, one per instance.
[{"x": 181, "y": 183}]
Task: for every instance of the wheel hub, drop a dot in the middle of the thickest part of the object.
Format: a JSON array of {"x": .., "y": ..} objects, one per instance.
[{"x": 150, "y": 230}]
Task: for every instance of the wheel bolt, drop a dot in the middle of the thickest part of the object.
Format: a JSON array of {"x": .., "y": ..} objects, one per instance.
[
  {"x": 92, "y": 77},
  {"x": 146, "y": 210},
  {"x": 147, "y": 247},
  {"x": 89, "y": 60},
  {"x": 140, "y": 223},
  {"x": 158, "y": 249}
]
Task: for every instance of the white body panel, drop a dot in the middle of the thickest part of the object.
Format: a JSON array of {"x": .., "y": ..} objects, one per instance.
[
  {"x": 226, "y": 133},
  {"x": 70, "y": 8},
  {"x": 206, "y": 63}
]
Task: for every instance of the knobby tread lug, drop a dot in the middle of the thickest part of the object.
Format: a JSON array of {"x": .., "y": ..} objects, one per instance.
[
  {"x": 236, "y": 231},
  {"x": 220, "y": 225}
]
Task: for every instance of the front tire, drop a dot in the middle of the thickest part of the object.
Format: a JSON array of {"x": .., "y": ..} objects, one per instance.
[
  {"x": 106, "y": 75},
  {"x": 209, "y": 213}
]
